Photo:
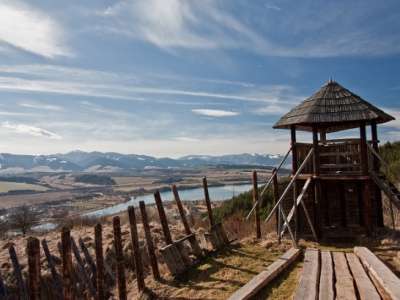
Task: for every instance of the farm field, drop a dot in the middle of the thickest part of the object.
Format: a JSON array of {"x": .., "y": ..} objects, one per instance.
[{"x": 6, "y": 186}]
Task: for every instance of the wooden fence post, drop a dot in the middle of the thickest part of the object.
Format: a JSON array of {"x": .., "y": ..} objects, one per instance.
[
  {"x": 33, "y": 252},
  {"x": 208, "y": 202},
  {"x": 57, "y": 282},
  {"x": 120, "y": 258},
  {"x": 256, "y": 200},
  {"x": 66, "y": 263},
  {"x": 276, "y": 198},
  {"x": 84, "y": 277},
  {"x": 136, "y": 249},
  {"x": 163, "y": 218},
  {"x": 149, "y": 242},
  {"x": 99, "y": 261},
  {"x": 22, "y": 293},
  {"x": 192, "y": 240},
  {"x": 89, "y": 261}
]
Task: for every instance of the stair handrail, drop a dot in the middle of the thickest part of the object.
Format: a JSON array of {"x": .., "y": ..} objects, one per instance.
[
  {"x": 273, "y": 174},
  {"x": 303, "y": 164}
]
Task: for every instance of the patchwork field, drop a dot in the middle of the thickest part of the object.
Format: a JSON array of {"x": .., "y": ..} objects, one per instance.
[{"x": 6, "y": 186}]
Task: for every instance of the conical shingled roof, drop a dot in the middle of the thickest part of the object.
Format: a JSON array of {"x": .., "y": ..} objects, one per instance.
[{"x": 332, "y": 108}]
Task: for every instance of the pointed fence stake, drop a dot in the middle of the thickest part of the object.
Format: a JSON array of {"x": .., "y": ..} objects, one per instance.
[
  {"x": 22, "y": 292},
  {"x": 99, "y": 261},
  {"x": 33, "y": 252},
  {"x": 208, "y": 202},
  {"x": 66, "y": 263},
  {"x": 136, "y": 249},
  {"x": 149, "y": 242},
  {"x": 192, "y": 240},
  {"x": 120, "y": 259},
  {"x": 257, "y": 203}
]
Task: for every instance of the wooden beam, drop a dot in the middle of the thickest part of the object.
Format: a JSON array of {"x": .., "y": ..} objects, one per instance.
[
  {"x": 21, "y": 287},
  {"x": 98, "y": 240},
  {"x": 136, "y": 249},
  {"x": 208, "y": 202},
  {"x": 379, "y": 272},
  {"x": 83, "y": 275},
  {"x": 256, "y": 202},
  {"x": 276, "y": 198},
  {"x": 366, "y": 289},
  {"x": 192, "y": 240},
  {"x": 53, "y": 271},
  {"x": 317, "y": 183},
  {"x": 344, "y": 281},
  {"x": 308, "y": 286},
  {"x": 294, "y": 170},
  {"x": 181, "y": 210},
  {"x": 163, "y": 218},
  {"x": 326, "y": 289},
  {"x": 257, "y": 283},
  {"x": 33, "y": 252},
  {"x": 343, "y": 205},
  {"x": 149, "y": 242},
  {"x": 367, "y": 206},
  {"x": 377, "y": 191},
  {"x": 119, "y": 254},
  {"x": 89, "y": 261},
  {"x": 66, "y": 263},
  {"x": 363, "y": 150}
]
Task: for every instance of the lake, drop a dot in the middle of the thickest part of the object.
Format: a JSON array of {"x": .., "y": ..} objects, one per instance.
[{"x": 217, "y": 193}]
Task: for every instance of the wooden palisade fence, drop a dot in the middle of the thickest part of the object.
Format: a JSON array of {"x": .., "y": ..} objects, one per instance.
[{"x": 85, "y": 273}]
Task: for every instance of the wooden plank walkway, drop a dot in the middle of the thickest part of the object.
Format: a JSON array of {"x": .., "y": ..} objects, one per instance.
[
  {"x": 359, "y": 275},
  {"x": 263, "y": 278},
  {"x": 386, "y": 282},
  {"x": 308, "y": 286}
]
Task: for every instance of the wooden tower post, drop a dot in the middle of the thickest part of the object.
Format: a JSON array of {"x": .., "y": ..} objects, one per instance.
[
  {"x": 376, "y": 167},
  {"x": 317, "y": 183},
  {"x": 367, "y": 183}
]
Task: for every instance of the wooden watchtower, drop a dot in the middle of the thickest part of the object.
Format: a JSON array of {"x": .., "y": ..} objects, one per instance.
[{"x": 338, "y": 180}]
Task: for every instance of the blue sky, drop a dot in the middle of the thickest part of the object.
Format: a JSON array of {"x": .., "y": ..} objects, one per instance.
[{"x": 175, "y": 77}]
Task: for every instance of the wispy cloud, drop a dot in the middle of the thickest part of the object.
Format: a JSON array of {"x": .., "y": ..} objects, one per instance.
[
  {"x": 30, "y": 130},
  {"x": 216, "y": 113},
  {"x": 181, "y": 24},
  {"x": 40, "y": 106},
  {"x": 26, "y": 28},
  {"x": 304, "y": 32},
  {"x": 122, "y": 91}
]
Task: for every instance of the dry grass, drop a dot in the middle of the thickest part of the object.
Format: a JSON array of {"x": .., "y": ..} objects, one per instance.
[{"x": 220, "y": 274}]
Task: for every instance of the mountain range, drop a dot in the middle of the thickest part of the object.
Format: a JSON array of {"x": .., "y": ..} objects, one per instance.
[{"x": 80, "y": 161}]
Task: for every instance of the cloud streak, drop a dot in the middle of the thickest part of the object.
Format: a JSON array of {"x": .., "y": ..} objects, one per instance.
[
  {"x": 30, "y": 130},
  {"x": 216, "y": 113}
]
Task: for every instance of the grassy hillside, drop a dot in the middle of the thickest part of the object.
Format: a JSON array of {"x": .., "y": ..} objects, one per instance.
[{"x": 390, "y": 152}]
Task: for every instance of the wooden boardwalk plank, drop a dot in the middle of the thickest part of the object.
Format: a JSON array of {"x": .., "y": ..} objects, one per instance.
[
  {"x": 344, "y": 281},
  {"x": 308, "y": 286},
  {"x": 326, "y": 289},
  {"x": 261, "y": 280},
  {"x": 366, "y": 289},
  {"x": 379, "y": 272}
]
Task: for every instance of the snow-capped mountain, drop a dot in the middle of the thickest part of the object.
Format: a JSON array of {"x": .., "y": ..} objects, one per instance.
[{"x": 111, "y": 161}]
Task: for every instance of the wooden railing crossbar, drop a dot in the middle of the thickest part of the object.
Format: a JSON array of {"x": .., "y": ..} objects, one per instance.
[
  {"x": 298, "y": 201},
  {"x": 309, "y": 155},
  {"x": 270, "y": 179}
]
